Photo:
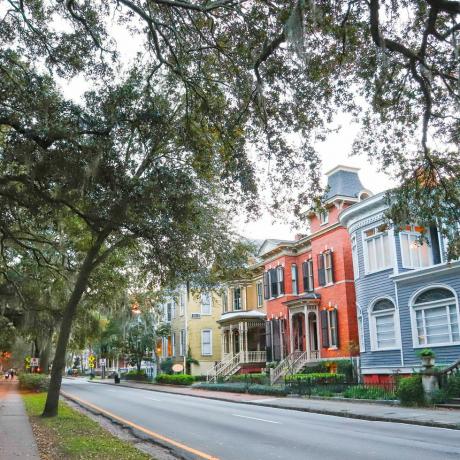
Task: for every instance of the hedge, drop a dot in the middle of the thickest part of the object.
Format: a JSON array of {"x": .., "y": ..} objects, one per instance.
[
  {"x": 410, "y": 391},
  {"x": 453, "y": 386},
  {"x": 230, "y": 387},
  {"x": 135, "y": 375},
  {"x": 316, "y": 378},
  {"x": 260, "y": 379},
  {"x": 34, "y": 382},
  {"x": 267, "y": 390},
  {"x": 175, "y": 379},
  {"x": 344, "y": 366}
]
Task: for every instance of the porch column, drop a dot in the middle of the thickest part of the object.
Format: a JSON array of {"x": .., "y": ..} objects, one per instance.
[
  {"x": 291, "y": 332},
  {"x": 246, "y": 347},
  {"x": 307, "y": 332},
  {"x": 231, "y": 341},
  {"x": 222, "y": 343}
]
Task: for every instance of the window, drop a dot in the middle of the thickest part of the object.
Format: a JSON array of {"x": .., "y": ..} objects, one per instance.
[
  {"x": 436, "y": 318},
  {"x": 260, "y": 297},
  {"x": 169, "y": 311},
  {"x": 225, "y": 301},
  {"x": 273, "y": 283},
  {"x": 323, "y": 217},
  {"x": 205, "y": 303},
  {"x": 237, "y": 298},
  {"x": 307, "y": 275},
  {"x": 378, "y": 251},
  {"x": 413, "y": 253},
  {"x": 329, "y": 328},
  {"x": 182, "y": 303},
  {"x": 294, "y": 288},
  {"x": 362, "y": 346},
  {"x": 206, "y": 342},
  {"x": 325, "y": 268},
  {"x": 354, "y": 256},
  {"x": 383, "y": 325},
  {"x": 280, "y": 278},
  {"x": 182, "y": 342},
  {"x": 266, "y": 285}
]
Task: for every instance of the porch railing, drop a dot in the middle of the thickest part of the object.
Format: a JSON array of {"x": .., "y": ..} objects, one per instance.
[
  {"x": 292, "y": 363},
  {"x": 224, "y": 368},
  {"x": 255, "y": 357}
]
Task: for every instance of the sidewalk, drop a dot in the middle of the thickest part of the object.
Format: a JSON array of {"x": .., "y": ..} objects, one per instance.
[
  {"x": 441, "y": 418},
  {"x": 16, "y": 438}
]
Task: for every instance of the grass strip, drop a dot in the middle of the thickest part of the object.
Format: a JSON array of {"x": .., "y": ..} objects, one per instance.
[{"x": 75, "y": 436}]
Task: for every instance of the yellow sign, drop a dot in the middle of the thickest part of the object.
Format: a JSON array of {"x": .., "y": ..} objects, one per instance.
[{"x": 92, "y": 361}]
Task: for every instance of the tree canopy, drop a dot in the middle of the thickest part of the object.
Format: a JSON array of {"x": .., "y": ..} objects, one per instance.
[{"x": 223, "y": 98}]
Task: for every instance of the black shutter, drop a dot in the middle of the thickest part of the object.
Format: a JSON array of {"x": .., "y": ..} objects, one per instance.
[
  {"x": 332, "y": 266},
  {"x": 268, "y": 340},
  {"x": 335, "y": 321},
  {"x": 305, "y": 276},
  {"x": 321, "y": 274},
  {"x": 266, "y": 286},
  {"x": 273, "y": 282},
  {"x": 276, "y": 351},
  {"x": 281, "y": 279},
  {"x": 324, "y": 329}
]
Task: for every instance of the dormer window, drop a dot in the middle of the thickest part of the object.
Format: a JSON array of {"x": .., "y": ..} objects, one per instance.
[{"x": 323, "y": 217}]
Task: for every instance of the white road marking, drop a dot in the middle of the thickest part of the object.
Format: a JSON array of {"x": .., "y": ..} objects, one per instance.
[
  {"x": 255, "y": 418},
  {"x": 154, "y": 399},
  {"x": 109, "y": 389}
]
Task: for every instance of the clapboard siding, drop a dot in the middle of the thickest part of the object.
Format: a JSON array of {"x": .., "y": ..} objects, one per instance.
[{"x": 391, "y": 283}]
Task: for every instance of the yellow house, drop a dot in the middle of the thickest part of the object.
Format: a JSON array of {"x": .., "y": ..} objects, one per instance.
[
  {"x": 194, "y": 340},
  {"x": 242, "y": 327}
]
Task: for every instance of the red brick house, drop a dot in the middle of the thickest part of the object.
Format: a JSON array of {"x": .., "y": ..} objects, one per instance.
[{"x": 309, "y": 284}]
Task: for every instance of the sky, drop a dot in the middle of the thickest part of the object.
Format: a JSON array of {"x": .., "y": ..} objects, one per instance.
[{"x": 335, "y": 150}]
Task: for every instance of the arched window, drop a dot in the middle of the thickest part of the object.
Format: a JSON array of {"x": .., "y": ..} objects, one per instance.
[
  {"x": 383, "y": 313},
  {"x": 435, "y": 318}
]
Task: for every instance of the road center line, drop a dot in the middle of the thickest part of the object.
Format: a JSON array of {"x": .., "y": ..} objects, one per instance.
[
  {"x": 141, "y": 428},
  {"x": 154, "y": 399},
  {"x": 255, "y": 418}
]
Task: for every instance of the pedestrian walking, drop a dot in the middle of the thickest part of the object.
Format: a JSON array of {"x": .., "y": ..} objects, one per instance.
[{"x": 6, "y": 375}]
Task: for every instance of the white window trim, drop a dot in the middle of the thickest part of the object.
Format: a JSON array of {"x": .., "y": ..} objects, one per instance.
[
  {"x": 364, "y": 239},
  {"x": 437, "y": 303},
  {"x": 355, "y": 256},
  {"x": 325, "y": 254},
  {"x": 321, "y": 220},
  {"x": 181, "y": 303},
  {"x": 210, "y": 341},
  {"x": 361, "y": 335},
  {"x": 173, "y": 344},
  {"x": 210, "y": 306},
  {"x": 416, "y": 234},
  {"x": 373, "y": 329}
]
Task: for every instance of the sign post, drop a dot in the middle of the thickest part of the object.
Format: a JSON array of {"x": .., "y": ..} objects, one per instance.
[
  {"x": 34, "y": 364},
  {"x": 102, "y": 363},
  {"x": 91, "y": 363}
]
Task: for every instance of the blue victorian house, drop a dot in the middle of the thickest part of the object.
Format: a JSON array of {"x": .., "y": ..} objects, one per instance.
[{"x": 407, "y": 293}]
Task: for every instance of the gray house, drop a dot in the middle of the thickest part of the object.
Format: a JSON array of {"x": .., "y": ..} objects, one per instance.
[{"x": 407, "y": 294}]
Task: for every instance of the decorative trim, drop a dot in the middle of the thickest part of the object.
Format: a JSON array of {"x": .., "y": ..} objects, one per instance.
[{"x": 363, "y": 223}]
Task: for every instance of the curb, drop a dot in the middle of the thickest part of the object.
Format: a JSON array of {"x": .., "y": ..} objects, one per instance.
[{"x": 342, "y": 414}]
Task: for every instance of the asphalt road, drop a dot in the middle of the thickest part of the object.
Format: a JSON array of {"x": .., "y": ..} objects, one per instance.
[{"x": 231, "y": 431}]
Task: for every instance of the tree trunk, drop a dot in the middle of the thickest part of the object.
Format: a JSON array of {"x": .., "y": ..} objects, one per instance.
[
  {"x": 52, "y": 400},
  {"x": 45, "y": 356}
]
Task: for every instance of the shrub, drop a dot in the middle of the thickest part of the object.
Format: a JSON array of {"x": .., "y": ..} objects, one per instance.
[
  {"x": 260, "y": 379},
  {"x": 317, "y": 378},
  {"x": 230, "y": 387},
  {"x": 34, "y": 382},
  {"x": 410, "y": 391},
  {"x": 344, "y": 366},
  {"x": 453, "y": 386},
  {"x": 267, "y": 390},
  {"x": 166, "y": 366},
  {"x": 135, "y": 375},
  {"x": 426, "y": 353},
  {"x": 175, "y": 379},
  {"x": 360, "y": 392}
]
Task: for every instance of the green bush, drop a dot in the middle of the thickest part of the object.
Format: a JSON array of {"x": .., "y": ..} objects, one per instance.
[
  {"x": 175, "y": 379},
  {"x": 34, "y": 382},
  {"x": 260, "y": 379},
  {"x": 230, "y": 387},
  {"x": 360, "y": 392},
  {"x": 439, "y": 396},
  {"x": 344, "y": 366},
  {"x": 317, "y": 378},
  {"x": 135, "y": 375},
  {"x": 453, "y": 386},
  {"x": 267, "y": 390},
  {"x": 166, "y": 366},
  {"x": 410, "y": 391}
]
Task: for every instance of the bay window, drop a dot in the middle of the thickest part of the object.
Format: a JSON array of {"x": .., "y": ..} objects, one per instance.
[
  {"x": 435, "y": 318},
  {"x": 378, "y": 250},
  {"x": 415, "y": 254}
]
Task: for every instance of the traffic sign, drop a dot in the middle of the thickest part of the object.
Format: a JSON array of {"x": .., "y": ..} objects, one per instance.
[
  {"x": 102, "y": 362},
  {"x": 34, "y": 362},
  {"x": 92, "y": 361}
]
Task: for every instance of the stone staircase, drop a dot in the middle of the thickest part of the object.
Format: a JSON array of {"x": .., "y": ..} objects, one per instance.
[{"x": 452, "y": 403}]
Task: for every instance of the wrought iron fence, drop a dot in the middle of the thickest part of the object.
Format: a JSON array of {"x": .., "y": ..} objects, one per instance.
[{"x": 341, "y": 388}]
